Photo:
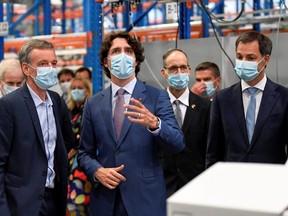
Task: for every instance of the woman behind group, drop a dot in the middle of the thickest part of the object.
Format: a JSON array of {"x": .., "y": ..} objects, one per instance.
[{"x": 78, "y": 186}]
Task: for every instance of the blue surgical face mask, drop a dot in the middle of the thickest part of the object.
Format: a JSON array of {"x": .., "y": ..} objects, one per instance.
[
  {"x": 178, "y": 81},
  {"x": 122, "y": 66},
  {"x": 210, "y": 90},
  {"x": 78, "y": 94},
  {"x": 46, "y": 77},
  {"x": 247, "y": 70}
]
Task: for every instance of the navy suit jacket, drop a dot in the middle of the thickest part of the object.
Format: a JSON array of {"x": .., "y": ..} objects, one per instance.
[
  {"x": 182, "y": 167},
  {"x": 143, "y": 192},
  {"x": 228, "y": 139},
  {"x": 23, "y": 161}
]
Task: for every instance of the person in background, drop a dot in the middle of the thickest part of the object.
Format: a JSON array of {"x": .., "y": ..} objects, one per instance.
[
  {"x": 192, "y": 113},
  {"x": 78, "y": 187},
  {"x": 65, "y": 76},
  {"x": 249, "y": 120},
  {"x": 11, "y": 76},
  {"x": 122, "y": 126},
  {"x": 33, "y": 157},
  {"x": 84, "y": 72},
  {"x": 208, "y": 79}
]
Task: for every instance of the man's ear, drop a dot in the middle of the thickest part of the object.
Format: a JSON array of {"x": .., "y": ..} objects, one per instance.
[
  {"x": 218, "y": 81},
  {"x": 25, "y": 69},
  {"x": 106, "y": 62},
  {"x": 164, "y": 75}
]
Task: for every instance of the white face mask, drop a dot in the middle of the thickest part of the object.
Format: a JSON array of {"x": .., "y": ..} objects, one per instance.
[
  {"x": 8, "y": 89},
  {"x": 65, "y": 86}
]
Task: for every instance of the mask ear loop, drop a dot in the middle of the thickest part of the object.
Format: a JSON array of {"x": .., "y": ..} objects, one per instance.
[{"x": 263, "y": 66}]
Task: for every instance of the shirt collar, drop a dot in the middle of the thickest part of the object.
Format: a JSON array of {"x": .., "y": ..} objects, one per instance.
[
  {"x": 184, "y": 98},
  {"x": 37, "y": 100},
  {"x": 129, "y": 87},
  {"x": 260, "y": 85}
]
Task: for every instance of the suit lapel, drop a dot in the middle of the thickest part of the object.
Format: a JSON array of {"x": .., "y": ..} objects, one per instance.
[
  {"x": 33, "y": 114},
  {"x": 138, "y": 93},
  {"x": 269, "y": 99},
  {"x": 237, "y": 105},
  {"x": 106, "y": 110},
  {"x": 190, "y": 114}
]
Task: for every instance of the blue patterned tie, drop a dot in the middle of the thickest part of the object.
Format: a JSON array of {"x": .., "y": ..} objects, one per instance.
[
  {"x": 250, "y": 114},
  {"x": 119, "y": 112}
]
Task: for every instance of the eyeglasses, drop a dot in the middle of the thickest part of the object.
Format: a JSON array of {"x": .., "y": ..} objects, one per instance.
[{"x": 174, "y": 69}]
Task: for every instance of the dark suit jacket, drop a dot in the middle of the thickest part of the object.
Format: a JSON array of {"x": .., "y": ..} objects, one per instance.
[
  {"x": 228, "y": 139},
  {"x": 23, "y": 161},
  {"x": 143, "y": 192},
  {"x": 182, "y": 167}
]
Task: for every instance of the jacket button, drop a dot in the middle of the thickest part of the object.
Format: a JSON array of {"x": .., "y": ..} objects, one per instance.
[
  {"x": 44, "y": 173},
  {"x": 117, "y": 152},
  {"x": 40, "y": 197}
]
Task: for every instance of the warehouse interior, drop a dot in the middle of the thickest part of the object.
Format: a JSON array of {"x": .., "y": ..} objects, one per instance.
[{"x": 206, "y": 30}]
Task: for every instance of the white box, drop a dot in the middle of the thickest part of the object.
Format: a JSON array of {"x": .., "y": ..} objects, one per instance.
[{"x": 233, "y": 189}]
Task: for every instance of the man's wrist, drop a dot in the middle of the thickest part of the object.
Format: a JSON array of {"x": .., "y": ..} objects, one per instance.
[{"x": 156, "y": 125}]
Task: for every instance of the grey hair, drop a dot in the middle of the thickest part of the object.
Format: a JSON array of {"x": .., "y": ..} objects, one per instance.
[
  {"x": 24, "y": 53},
  {"x": 8, "y": 65}
]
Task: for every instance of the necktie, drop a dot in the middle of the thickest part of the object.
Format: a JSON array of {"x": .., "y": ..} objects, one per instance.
[
  {"x": 250, "y": 114},
  {"x": 177, "y": 112},
  {"x": 119, "y": 112}
]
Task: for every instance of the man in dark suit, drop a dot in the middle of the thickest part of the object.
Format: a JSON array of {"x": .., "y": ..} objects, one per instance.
[
  {"x": 33, "y": 158},
  {"x": 182, "y": 167},
  {"x": 121, "y": 158},
  {"x": 249, "y": 120}
]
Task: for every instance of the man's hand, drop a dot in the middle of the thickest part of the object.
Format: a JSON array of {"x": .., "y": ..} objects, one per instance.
[
  {"x": 140, "y": 114},
  {"x": 198, "y": 88},
  {"x": 110, "y": 177}
]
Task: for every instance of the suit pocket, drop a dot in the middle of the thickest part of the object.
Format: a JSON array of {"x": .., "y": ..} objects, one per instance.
[
  {"x": 13, "y": 180},
  {"x": 151, "y": 172}
]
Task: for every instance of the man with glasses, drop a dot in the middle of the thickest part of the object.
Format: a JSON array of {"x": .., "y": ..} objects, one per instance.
[
  {"x": 33, "y": 158},
  {"x": 208, "y": 79},
  {"x": 192, "y": 114}
]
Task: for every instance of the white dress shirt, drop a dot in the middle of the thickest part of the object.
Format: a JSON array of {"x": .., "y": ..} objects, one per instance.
[{"x": 184, "y": 99}]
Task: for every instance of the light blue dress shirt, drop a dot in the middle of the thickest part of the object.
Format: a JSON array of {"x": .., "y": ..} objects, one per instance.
[{"x": 48, "y": 127}]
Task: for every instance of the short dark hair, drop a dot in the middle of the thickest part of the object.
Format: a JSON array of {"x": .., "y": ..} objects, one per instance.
[
  {"x": 265, "y": 43},
  {"x": 209, "y": 66},
  {"x": 165, "y": 56},
  {"x": 81, "y": 69},
  {"x": 132, "y": 41},
  {"x": 66, "y": 71}
]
